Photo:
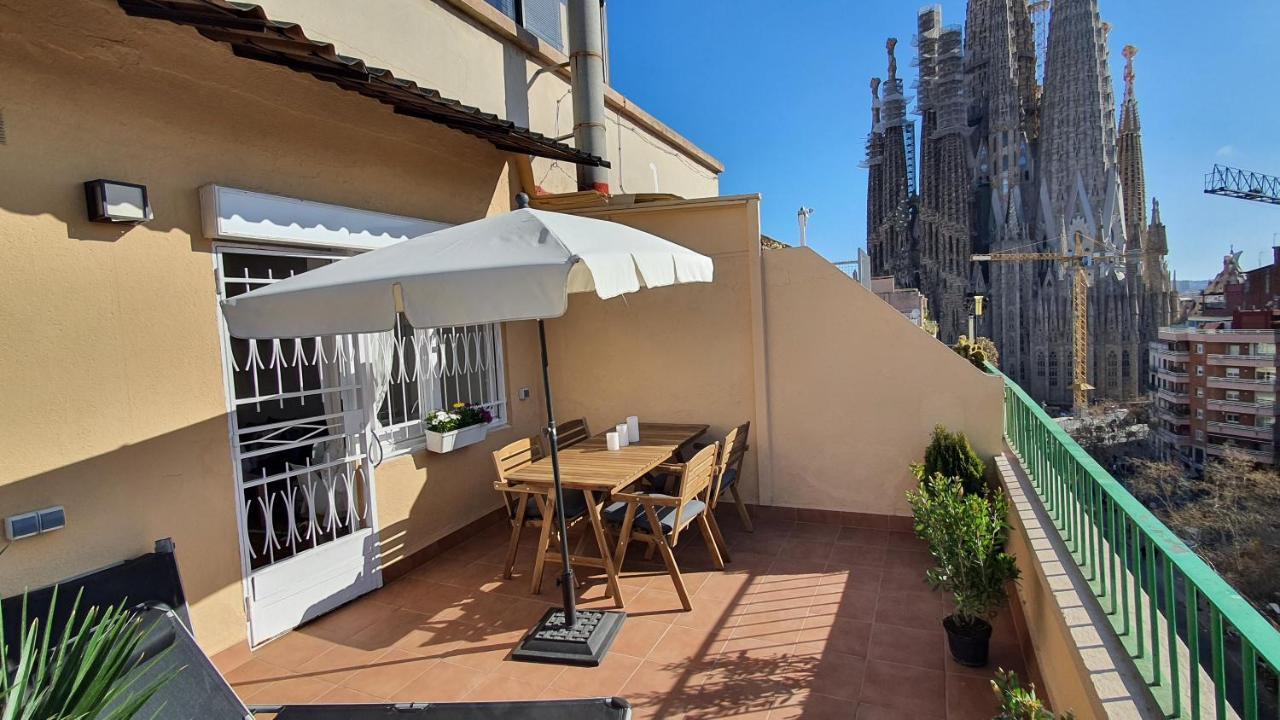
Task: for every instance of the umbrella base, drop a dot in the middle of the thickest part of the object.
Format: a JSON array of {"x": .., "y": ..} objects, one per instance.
[{"x": 586, "y": 643}]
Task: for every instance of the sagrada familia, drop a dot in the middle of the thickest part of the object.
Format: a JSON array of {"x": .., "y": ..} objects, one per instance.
[{"x": 1014, "y": 161}]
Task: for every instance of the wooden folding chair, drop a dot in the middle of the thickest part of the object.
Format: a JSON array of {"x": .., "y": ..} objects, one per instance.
[
  {"x": 665, "y": 516},
  {"x": 526, "y": 504},
  {"x": 572, "y": 432},
  {"x": 729, "y": 469}
]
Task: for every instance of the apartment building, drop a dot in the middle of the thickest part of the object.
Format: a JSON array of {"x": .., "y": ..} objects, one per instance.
[{"x": 1215, "y": 387}]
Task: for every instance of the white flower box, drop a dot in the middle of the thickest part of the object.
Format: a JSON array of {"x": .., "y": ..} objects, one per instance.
[{"x": 455, "y": 439}]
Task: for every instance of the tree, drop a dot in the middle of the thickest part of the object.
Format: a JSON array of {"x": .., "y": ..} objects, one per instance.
[{"x": 1229, "y": 516}]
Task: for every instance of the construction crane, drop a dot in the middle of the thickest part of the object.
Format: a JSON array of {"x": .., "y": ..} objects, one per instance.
[
  {"x": 1242, "y": 184},
  {"x": 1078, "y": 262}
]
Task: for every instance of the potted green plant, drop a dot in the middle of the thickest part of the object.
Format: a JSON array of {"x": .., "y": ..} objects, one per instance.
[
  {"x": 84, "y": 672},
  {"x": 950, "y": 454},
  {"x": 1019, "y": 703},
  {"x": 965, "y": 533},
  {"x": 462, "y": 425}
]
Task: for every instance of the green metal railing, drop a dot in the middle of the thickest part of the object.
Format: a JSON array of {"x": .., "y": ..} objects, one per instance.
[{"x": 1203, "y": 649}]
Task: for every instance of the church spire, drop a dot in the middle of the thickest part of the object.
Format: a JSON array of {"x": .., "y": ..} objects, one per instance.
[{"x": 1132, "y": 178}]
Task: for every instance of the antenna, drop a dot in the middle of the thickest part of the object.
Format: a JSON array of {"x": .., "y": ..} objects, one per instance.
[{"x": 802, "y": 217}]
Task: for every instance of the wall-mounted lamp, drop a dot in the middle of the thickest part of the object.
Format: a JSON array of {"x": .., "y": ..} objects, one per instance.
[{"x": 112, "y": 201}]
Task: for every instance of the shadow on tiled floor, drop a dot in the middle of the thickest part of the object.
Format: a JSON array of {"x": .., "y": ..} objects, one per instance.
[{"x": 809, "y": 620}]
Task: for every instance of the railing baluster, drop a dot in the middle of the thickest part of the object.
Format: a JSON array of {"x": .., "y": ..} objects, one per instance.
[
  {"x": 1219, "y": 662},
  {"x": 1171, "y": 618},
  {"x": 1249, "y": 665},
  {"x": 1193, "y": 648},
  {"x": 1153, "y": 603}
]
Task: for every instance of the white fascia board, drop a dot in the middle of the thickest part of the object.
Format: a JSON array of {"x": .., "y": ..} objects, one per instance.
[{"x": 234, "y": 214}]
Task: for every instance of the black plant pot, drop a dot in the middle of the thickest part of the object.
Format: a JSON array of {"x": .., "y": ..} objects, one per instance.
[{"x": 970, "y": 644}]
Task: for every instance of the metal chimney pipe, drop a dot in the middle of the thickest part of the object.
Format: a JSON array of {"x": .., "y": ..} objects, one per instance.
[{"x": 586, "y": 69}]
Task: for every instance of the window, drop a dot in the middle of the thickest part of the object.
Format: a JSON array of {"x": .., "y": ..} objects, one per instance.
[
  {"x": 1199, "y": 392},
  {"x": 543, "y": 18},
  {"x": 1199, "y": 414},
  {"x": 1053, "y": 368},
  {"x": 1233, "y": 395},
  {"x": 1200, "y": 371},
  {"x": 1265, "y": 421},
  {"x": 1200, "y": 435},
  {"x": 1233, "y": 373},
  {"x": 1200, "y": 348},
  {"x": 427, "y": 370},
  {"x": 1231, "y": 418}
]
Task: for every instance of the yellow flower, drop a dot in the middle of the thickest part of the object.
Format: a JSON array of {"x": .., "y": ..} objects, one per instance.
[{"x": 459, "y": 405}]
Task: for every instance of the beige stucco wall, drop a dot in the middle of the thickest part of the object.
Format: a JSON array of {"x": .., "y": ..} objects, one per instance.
[
  {"x": 675, "y": 354},
  {"x": 855, "y": 390},
  {"x": 442, "y": 47},
  {"x": 842, "y": 390},
  {"x": 114, "y": 404}
]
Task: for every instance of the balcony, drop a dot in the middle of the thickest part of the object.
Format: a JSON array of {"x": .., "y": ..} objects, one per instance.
[
  {"x": 1172, "y": 375},
  {"x": 1229, "y": 383},
  {"x": 1245, "y": 431},
  {"x": 1266, "y": 407},
  {"x": 1173, "y": 396},
  {"x": 1243, "y": 360},
  {"x": 1161, "y": 351},
  {"x": 1175, "y": 439},
  {"x": 1262, "y": 456}
]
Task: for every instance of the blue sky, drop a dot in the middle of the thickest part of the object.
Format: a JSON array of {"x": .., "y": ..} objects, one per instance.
[{"x": 778, "y": 91}]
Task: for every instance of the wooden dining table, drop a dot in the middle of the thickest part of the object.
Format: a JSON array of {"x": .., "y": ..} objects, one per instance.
[{"x": 591, "y": 468}]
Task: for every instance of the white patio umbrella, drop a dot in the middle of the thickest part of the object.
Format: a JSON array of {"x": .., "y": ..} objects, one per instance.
[{"x": 517, "y": 266}]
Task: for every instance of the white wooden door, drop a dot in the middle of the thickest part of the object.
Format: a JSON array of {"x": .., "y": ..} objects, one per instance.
[{"x": 300, "y": 445}]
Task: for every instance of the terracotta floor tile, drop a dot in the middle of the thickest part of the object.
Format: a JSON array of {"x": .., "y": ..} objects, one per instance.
[
  {"x": 910, "y": 691},
  {"x": 856, "y": 577},
  {"x": 688, "y": 644},
  {"x": 970, "y": 698},
  {"x": 922, "y": 610},
  {"x": 344, "y": 696},
  {"x": 299, "y": 690},
  {"x": 446, "y": 682},
  {"x": 774, "y": 636},
  {"x": 388, "y": 674},
  {"x": 339, "y": 625},
  {"x": 837, "y": 675},
  {"x": 907, "y": 540},
  {"x": 867, "y": 711},
  {"x": 816, "y": 706},
  {"x": 638, "y": 636},
  {"x": 339, "y": 663},
  {"x": 903, "y": 580},
  {"x": 918, "y": 560},
  {"x": 292, "y": 650},
  {"x": 388, "y": 630},
  {"x": 603, "y": 681},
  {"x": 500, "y": 687},
  {"x": 659, "y": 687},
  {"x": 851, "y": 604},
  {"x": 850, "y": 637},
  {"x": 806, "y": 550},
  {"x": 657, "y": 603},
  {"x": 540, "y": 674},
  {"x": 859, "y": 556},
  {"x": 822, "y": 532},
  {"x": 866, "y": 537},
  {"x": 257, "y": 672},
  {"x": 907, "y": 646}
]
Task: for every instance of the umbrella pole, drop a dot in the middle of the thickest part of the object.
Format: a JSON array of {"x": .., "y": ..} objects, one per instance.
[{"x": 566, "y": 580}]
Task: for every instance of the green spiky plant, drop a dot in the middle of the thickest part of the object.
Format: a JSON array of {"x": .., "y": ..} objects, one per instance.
[
  {"x": 951, "y": 455},
  {"x": 1019, "y": 703},
  {"x": 81, "y": 673},
  {"x": 966, "y": 534}
]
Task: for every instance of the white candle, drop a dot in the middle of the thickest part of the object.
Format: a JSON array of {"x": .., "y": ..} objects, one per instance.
[
  {"x": 613, "y": 441},
  {"x": 623, "y": 437},
  {"x": 633, "y": 429}
]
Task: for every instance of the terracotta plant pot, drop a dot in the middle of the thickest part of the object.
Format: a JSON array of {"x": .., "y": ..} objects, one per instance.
[{"x": 970, "y": 644}]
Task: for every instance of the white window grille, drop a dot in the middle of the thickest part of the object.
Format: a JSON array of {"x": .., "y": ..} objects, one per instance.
[
  {"x": 432, "y": 369},
  {"x": 1233, "y": 373}
]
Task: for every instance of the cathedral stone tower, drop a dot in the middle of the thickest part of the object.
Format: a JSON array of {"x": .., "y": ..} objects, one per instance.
[
  {"x": 890, "y": 202},
  {"x": 945, "y": 177},
  {"x": 1024, "y": 168}
]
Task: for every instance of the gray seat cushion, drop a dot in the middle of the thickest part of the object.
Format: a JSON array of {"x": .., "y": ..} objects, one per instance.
[
  {"x": 616, "y": 513},
  {"x": 730, "y": 477}
]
